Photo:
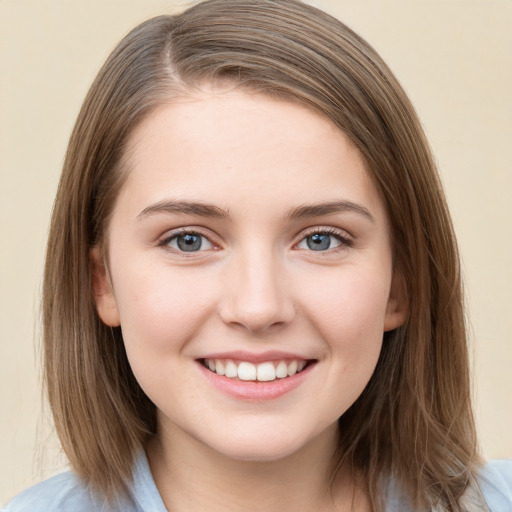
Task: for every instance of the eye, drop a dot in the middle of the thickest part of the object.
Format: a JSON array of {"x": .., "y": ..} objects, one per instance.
[
  {"x": 324, "y": 241},
  {"x": 188, "y": 242}
]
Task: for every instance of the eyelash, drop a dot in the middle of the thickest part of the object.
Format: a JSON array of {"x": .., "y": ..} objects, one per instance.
[
  {"x": 164, "y": 243},
  {"x": 346, "y": 241}
]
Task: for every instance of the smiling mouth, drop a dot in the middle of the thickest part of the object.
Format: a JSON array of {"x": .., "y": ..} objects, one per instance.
[{"x": 262, "y": 372}]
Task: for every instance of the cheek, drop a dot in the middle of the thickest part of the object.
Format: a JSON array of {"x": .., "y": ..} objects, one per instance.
[
  {"x": 350, "y": 320},
  {"x": 162, "y": 308},
  {"x": 348, "y": 308}
]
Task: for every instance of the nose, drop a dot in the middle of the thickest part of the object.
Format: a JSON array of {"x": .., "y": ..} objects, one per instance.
[{"x": 257, "y": 296}]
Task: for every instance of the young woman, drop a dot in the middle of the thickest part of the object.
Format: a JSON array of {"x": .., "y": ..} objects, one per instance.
[{"x": 252, "y": 294}]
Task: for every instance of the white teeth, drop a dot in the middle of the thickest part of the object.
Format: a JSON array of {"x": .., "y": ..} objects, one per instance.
[
  {"x": 281, "y": 370},
  {"x": 266, "y": 372},
  {"x": 246, "y": 371},
  {"x": 292, "y": 368},
  {"x": 263, "y": 372},
  {"x": 219, "y": 367},
  {"x": 231, "y": 370}
]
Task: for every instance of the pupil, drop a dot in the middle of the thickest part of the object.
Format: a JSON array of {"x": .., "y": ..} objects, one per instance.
[
  {"x": 318, "y": 242},
  {"x": 189, "y": 242}
]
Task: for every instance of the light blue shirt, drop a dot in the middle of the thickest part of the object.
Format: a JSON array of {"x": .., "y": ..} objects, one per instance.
[{"x": 66, "y": 493}]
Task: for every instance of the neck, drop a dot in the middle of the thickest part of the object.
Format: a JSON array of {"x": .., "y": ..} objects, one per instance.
[{"x": 193, "y": 477}]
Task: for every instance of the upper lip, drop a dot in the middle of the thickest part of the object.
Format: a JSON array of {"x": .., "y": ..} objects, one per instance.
[{"x": 251, "y": 357}]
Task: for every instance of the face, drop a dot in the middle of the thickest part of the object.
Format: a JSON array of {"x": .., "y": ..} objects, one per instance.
[{"x": 251, "y": 272}]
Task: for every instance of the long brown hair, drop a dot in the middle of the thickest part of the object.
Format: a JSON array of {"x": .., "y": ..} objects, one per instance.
[{"x": 413, "y": 423}]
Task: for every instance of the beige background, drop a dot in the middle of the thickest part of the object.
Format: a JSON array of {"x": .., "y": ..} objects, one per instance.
[{"x": 454, "y": 58}]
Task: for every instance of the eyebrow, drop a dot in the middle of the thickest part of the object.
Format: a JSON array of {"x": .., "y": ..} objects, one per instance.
[
  {"x": 185, "y": 207},
  {"x": 316, "y": 210},
  {"x": 214, "y": 212}
]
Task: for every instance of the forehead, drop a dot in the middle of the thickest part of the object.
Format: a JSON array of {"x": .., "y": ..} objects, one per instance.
[{"x": 234, "y": 148}]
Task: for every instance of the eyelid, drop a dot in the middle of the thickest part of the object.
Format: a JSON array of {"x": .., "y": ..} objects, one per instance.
[
  {"x": 166, "y": 238},
  {"x": 346, "y": 239}
]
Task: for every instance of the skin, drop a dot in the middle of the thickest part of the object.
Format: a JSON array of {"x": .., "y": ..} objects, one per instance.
[{"x": 256, "y": 286}]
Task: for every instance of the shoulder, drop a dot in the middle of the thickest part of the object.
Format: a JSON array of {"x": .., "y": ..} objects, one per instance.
[
  {"x": 495, "y": 482},
  {"x": 67, "y": 493},
  {"x": 490, "y": 492},
  {"x": 61, "y": 493}
]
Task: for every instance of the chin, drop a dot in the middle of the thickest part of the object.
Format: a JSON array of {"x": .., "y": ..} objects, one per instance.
[
  {"x": 257, "y": 452},
  {"x": 262, "y": 446}
]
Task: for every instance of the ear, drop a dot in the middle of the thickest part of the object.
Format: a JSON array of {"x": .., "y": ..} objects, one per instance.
[
  {"x": 106, "y": 304},
  {"x": 397, "y": 308}
]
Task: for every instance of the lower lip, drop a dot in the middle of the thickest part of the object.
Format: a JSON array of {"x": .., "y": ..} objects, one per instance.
[{"x": 256, "y": 391}]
